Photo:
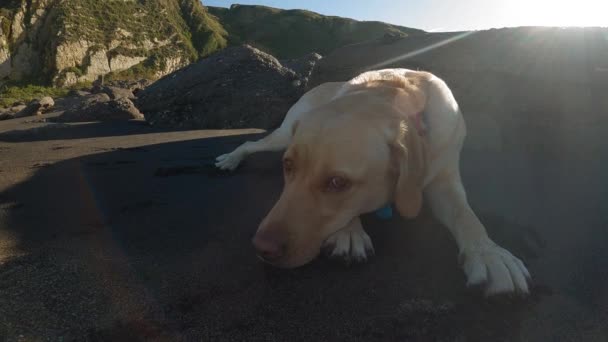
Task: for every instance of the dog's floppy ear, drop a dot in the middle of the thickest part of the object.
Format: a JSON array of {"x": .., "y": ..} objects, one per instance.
[{"x": 407, "y": 155}]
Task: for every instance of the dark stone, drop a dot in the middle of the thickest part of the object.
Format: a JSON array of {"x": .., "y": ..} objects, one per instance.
[
  {"x": 46, "y": 104},
  {"x": 235, "y": 88},
  {"x": 6, "y": 115},
  {"x": 32, "y": 109},
  {"x": 116, "y": 93},
  {"x": 134, "y": 86},
  {"x": 76, "y": 93},
  {"x": 303, "y": 66},
  {"x": 99, "y": 107}
]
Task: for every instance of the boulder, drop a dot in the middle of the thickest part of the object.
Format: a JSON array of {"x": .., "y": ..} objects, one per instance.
[
  {"x": 133, "y": 86},
  {"x": 46, "y": 104},
  {"x": 235, "y": 88},
  {"x": 9, "y": 113},
  {"x": 116, "y": 93},
  {"x": 17, "y": 108},
  {"x": 6, "y": 113},
  {"x": 303, "y": 66},
  {"x": 32, "y": 109},
  {"x": 78, "y": 93},
  {"x": 36, "y": 107},
  {"x": 99, "y": 107}
]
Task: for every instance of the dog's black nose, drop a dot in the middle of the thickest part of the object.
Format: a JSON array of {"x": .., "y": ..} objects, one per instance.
[{"x": 268, "y": 246}]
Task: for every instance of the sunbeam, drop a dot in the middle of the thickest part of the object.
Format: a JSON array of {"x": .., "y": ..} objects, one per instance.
[{"x": 420, "y": 51}]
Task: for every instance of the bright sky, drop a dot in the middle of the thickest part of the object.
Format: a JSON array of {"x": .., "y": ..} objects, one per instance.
[{"x": 452, "y": 15}]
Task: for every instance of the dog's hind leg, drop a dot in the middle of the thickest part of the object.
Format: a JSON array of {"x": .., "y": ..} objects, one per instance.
[{"x": 275, "y": 141}]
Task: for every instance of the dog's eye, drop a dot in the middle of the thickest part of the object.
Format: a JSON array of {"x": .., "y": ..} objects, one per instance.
[
  {"x": 337, "y": 183},
  {"x": 288, "y": 165}
]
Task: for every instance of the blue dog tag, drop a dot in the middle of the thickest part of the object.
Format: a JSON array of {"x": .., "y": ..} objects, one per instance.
[{"x": 385, "y": 212}]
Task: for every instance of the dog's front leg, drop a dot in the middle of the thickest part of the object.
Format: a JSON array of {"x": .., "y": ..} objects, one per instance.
[
  {"x": 484, "y": 262},
  {"x": 351, "y": 243},
  {"x": 276, "y": 141}
]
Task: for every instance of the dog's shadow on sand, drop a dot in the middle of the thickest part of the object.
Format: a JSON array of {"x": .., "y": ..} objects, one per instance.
[{"x": 154, "y": 242}]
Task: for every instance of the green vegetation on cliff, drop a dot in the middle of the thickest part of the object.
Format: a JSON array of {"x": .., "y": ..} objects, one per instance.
[
  {"x": 185, "y": 22},
  {"x": 48, "y": 39},
  {"x": 64, "y": 42},
  {"x": 294, "y": 33},
  {"x": 9, "y": 94}
]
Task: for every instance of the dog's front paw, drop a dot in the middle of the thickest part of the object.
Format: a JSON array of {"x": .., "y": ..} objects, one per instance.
[
  {"x": 229, "y": 161},
  {"x": 349, "y": 245},
  {"x": 495, "y": 268}
]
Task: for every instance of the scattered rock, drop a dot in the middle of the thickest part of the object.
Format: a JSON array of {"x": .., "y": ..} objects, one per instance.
[
  {"x": 99, "y": 107},
  {"x": 36, "y": 107},
  {"x": 76, "y": 93},
  {"x": 6, "y": 115},
  {"x": 31, "y": 109},
  {"x": 46, "y": 103},
  {"x": 134, "y": 86},
  {"x": 91, "y": 99},
  {"x": 28, "y": 111},
  {"x": 116, "y": 93},
  {"x": 235, "y": 88},
  {"x": 17, "y": 108},
  {"x": 99, "y": 82},
  {"x": 9, "y": 113}
]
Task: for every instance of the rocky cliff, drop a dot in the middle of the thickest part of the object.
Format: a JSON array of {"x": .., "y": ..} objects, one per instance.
[
  {"x": 65, "y": 42},
  {"x": 70, "y": 41},
  {"x": 294, "y": 33}
]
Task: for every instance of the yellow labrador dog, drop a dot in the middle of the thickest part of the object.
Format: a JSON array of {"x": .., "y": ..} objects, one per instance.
[{"x": 386, "y": 136}]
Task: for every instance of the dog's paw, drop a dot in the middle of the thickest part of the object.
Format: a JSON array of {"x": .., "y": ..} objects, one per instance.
[
  {"x": 349, "y": 245},
  {"x": 228, "y": 161},
  {"x": 495, "y": 268}
]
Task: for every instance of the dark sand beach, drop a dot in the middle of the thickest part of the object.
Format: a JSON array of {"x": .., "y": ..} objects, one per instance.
[{"x": 119, "y": 231}]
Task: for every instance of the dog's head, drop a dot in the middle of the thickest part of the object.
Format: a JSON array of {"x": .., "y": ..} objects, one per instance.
[{"x": 345, "y": 159}]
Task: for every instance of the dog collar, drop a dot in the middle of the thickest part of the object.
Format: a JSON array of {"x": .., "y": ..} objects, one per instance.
[{"x": 385, "y": 212}]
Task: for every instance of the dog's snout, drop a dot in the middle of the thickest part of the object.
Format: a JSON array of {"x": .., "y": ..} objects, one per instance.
[{"x": 269, "y": 246}]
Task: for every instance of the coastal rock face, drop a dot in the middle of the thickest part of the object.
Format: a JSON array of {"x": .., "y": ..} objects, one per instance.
[
  {"x": 237, "y": 87},
  {"x": 73, "y": 41},
  {"x": 295, "y": 33},
  {"x": 5, "y": 54}
]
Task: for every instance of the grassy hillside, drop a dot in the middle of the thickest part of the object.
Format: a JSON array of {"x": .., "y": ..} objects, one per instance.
[
  {"x": 185, "y": 23},
  {"x": 294, "y": 33},
  {"x": 155, "y": 29},
  {"x": 53, "y": 41}
]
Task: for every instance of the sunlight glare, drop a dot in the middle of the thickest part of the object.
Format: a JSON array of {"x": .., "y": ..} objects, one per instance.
[{"x": 557, "y": 12}]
